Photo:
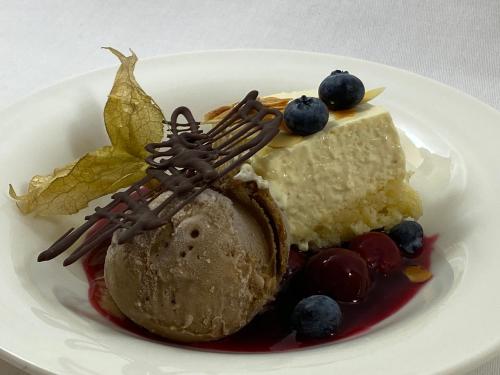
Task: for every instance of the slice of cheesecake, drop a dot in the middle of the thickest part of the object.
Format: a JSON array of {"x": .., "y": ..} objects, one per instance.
[{"x": 345, "y": 180}]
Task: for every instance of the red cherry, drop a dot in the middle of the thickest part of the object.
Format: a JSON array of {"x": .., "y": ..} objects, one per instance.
[
  {"x": 379, "y": 250},
  {"x": 296, "y": 260},
  {"x": 339, "y": 273}
]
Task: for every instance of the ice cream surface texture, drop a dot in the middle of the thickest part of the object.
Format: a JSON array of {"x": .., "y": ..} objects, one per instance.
[
  {"x": 201, "y": 278},
  {"x": 345, "y": 180}
]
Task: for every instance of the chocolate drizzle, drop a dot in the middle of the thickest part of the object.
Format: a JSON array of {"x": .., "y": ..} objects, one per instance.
[{"x": 186, "y": 164}]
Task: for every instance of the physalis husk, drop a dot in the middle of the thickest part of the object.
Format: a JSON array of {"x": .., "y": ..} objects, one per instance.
[{"x": 132, "y": 120}]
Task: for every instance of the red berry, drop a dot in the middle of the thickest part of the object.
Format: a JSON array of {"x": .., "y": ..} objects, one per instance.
[
  {"x": 339, "y": 273},
  {"x": 296, "y": 260},
  {"x": 379, "y": 250}
]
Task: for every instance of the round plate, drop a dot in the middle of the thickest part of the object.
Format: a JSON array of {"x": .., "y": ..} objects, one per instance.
[{"x": 47, "y": 324}]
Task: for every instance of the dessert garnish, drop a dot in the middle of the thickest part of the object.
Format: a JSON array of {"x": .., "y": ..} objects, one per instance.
[
  {"x": 308, "y": 115},
  {"x": 417, "y": 274},
  {"x": 372, "y": 94},
  {"x": 341, "y": 90},
  {"x": 339, "y": 273},
  {"x": 132, "y": 119},
  {"x": 379, "y": 250},
  {"x": 279, "y": 104},
  {"x": 316, "y": 317},
  {"x": 184, "y": 165},
  {"x": 305, "y": 115},
  {"x": 409, "y": 236}
]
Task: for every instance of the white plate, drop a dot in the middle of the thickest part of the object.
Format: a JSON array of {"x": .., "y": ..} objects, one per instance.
[{"x": 47, "y": 324}]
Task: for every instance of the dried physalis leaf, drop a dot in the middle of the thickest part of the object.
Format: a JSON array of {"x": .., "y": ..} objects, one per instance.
[
  {"x": 132, "y": 120},
  {"x": 372, "y": 94},
  {"x": 70, "y": 188},
  {"x": 417, "y": 274},
  {"x": 131, "y": 116}
]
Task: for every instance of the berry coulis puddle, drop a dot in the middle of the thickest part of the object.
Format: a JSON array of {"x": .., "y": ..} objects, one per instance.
[{"x": 270, "y": 331}]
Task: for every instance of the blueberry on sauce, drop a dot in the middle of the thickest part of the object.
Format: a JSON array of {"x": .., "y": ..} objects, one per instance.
[
  {"x": 316, "y": 317},
  {"x": 409, "y": 236}
]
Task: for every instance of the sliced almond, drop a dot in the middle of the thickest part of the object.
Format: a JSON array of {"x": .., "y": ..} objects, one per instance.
[
  {"x": 372, "y": 93},
  {"x": 276, "y": 103},
  {"x": 217, "y": 113},
  {"x": 417, "y": 274}
]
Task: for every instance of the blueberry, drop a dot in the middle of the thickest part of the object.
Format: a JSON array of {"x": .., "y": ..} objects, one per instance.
[
  {"x": 305, "y": 115},
  {"x": 316, "y": 317},
  {"x": 341, "y": 90},
  {"x": 409, "y": 237}
]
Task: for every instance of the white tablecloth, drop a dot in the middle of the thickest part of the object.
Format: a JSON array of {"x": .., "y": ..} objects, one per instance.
[{"x": 456, "y": 42}]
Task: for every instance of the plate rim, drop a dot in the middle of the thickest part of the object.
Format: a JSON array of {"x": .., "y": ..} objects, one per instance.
[{"x": 62, "y": 81}]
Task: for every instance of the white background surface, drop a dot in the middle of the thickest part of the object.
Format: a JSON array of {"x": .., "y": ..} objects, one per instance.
[{"x": 455, "y": 42}]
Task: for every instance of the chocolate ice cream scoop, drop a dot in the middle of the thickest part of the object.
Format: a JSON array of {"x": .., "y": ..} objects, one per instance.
[{"x": 209, "y": 272}]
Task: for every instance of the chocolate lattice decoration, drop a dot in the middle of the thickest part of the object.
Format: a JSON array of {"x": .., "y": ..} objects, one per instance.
[{"x": 186, "y": 164}]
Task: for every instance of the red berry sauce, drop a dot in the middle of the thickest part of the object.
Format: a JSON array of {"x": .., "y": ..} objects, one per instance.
[{"x": 270, "y": 332}]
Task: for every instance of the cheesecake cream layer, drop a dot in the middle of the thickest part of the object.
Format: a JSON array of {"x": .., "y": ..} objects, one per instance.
[{"x": 345, "y": 180}]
